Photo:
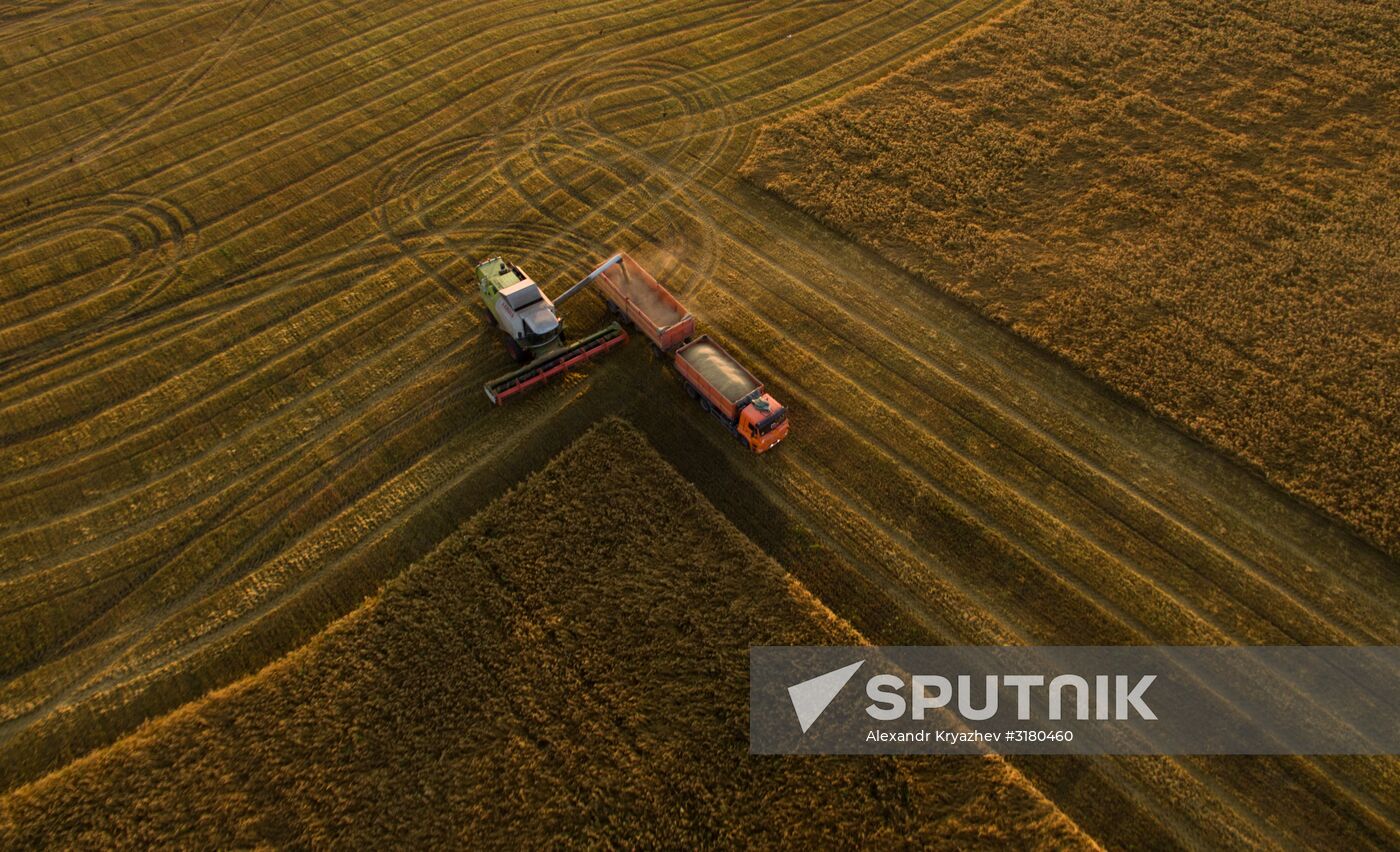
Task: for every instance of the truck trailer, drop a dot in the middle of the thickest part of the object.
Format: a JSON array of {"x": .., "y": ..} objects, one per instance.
[
  {"x": 710, "y": 375},
  {"x": 632, "y": 294}
]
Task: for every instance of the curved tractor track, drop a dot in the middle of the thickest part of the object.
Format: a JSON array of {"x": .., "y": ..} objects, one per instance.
[{"x": 242, "y": 368}]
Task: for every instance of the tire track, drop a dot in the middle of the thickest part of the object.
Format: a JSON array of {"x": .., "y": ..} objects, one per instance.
[
  {"x": 20, "y": 543},
  {"x": 9, "y": 33},
  {"x": 213, "y": 102},
  {"x": 70, "y": 570},
  {"x": 270, "y": 192},
  {"x": 159, "y": 238},
  {"x": 13, "y": 177}
]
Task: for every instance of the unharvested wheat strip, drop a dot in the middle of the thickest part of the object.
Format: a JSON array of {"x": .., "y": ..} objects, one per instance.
[
  {"x": 1279, "y": 37},
  {"x": 486, "y": 626}
]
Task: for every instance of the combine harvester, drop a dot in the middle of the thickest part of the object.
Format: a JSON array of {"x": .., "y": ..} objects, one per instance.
[
  {"x": 710, "y": 375},
  {"x": 529, "y": 321}
]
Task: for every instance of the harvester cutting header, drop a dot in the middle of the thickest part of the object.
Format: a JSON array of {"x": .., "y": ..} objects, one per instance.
[{"x": 534, "y": 333}]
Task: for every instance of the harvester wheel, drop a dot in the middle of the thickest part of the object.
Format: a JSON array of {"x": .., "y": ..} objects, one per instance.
[{"x": 514, "y": 349}]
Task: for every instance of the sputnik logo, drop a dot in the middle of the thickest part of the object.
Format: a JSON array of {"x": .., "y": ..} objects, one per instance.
[{"x": 811, "y": 697}]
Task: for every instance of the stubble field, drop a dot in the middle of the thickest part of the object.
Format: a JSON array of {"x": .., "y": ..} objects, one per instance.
[{"x": 242, "y": 368}]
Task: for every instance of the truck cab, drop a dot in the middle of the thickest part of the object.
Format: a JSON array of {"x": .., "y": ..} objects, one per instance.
[{"x": 763, "y": 423}]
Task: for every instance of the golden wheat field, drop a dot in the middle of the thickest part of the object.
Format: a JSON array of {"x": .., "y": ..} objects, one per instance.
[
  {"x": 1195, "y": 201},
  {"x": 390, "y": 717},
  {"x": 242, "y": 353}
]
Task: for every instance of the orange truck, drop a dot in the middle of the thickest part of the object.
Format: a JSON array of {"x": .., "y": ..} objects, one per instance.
[
  {"x": 710, "y": 374},
  {"x": 731, "y": 393}
]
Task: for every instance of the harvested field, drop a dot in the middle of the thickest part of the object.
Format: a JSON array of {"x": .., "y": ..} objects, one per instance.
[
  {"x": 1195, "y": 202},
  {"x": 241, "y": 358},
  {"x": 608, "y": 693}
]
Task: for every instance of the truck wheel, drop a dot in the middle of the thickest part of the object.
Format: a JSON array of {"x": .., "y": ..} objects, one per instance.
[
  {"x": 705, "y": 405},
  {"x": 690, "y": 390}
]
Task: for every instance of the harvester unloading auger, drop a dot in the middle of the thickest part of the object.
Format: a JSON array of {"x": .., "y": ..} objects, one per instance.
[
  {"x": 533, "y": 331},
  {"x": 530, "y": 321}
]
